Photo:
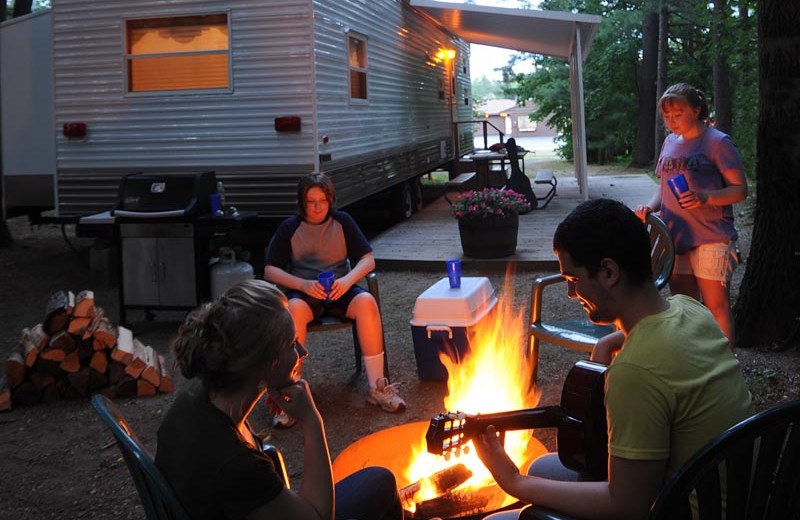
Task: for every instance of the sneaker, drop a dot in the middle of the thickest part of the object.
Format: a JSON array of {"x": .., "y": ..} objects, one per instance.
[
  {"x": 282, "y": 421},
  {"x": 386, "y": 396}
]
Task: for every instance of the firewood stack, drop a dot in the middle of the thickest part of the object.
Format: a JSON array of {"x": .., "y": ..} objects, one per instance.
[{"x": 75, "y": 352}]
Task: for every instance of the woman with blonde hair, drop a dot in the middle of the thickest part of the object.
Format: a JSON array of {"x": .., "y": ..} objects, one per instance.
[{"x": 234, "y": 350}]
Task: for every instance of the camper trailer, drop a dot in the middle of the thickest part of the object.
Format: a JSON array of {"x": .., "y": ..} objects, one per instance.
[{"x": 261, "y": 93}]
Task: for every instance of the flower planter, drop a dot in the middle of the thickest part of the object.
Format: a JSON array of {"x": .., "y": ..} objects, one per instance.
[{"x": 494, "y": 236}]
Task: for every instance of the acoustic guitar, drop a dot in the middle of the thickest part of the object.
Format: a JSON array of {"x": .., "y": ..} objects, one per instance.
[{"x": 580, "y": 418}]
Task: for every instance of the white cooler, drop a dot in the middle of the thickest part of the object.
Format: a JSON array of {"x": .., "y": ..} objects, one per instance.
[{"x": 442, "y": 319}]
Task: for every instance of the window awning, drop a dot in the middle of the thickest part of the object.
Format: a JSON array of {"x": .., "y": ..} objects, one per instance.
[{"x": 550, "y": 33}]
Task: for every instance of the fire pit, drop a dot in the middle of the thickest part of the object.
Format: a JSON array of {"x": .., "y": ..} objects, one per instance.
[
  {"x": 399, "y": 447},
  {"x": 493, "y": 376}
]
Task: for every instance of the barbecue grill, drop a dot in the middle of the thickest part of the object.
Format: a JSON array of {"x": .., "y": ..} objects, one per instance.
[{"x": 163, "y": 264}]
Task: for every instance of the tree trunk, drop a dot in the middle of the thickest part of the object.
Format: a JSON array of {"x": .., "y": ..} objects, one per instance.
[
  {"x": 766, "y": 312},
  {"x": 643, "y": 152},
  {"x": 723, "y": 108},
  {"x": 661, "y": 77}
]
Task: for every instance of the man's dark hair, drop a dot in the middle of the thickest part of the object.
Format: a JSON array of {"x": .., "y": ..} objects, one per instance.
[{"x": 604, "y": 228}]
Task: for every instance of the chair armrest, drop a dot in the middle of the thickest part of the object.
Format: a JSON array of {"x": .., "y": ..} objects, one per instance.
[
  {"x": 372, "y": 287},
  {"x": 277, "y": 459},
  {"x": 537, "y": 292}
]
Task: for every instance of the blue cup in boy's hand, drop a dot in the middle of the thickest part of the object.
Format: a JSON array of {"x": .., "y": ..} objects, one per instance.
[
  {"x": 678, "y": 185},
  {"x": 325, "y": 278}
]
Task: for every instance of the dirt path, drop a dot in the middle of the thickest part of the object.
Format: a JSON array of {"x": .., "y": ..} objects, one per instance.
[{"x": 58, "y": 461}]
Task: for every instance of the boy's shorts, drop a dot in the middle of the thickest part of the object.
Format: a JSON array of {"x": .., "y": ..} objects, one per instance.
[
  {"x": 709, "y": 261},
  {"x": 320, "y": 307}
]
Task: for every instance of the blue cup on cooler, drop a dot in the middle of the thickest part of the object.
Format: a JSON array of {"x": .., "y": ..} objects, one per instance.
[
  {"x": 325, "y": 278},
  {"x": 678, "y": 185},
  {"x": 454, "y": 273}
]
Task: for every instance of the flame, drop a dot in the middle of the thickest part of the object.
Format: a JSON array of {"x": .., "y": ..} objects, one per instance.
[{"x": 494, "y": 377}]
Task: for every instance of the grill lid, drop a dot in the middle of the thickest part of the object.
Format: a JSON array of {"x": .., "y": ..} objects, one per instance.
[{"x": 151, "y": 195}]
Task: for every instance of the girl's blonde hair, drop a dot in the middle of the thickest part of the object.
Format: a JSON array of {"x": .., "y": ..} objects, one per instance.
[
  {"x": 238, "y": 334},
  {"x": 683, "y": 93}
]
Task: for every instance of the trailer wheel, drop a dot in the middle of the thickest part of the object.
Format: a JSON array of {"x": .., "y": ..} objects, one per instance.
[
  {"x": 416, "y": 193},
  {"x": 402, "y": 202}
]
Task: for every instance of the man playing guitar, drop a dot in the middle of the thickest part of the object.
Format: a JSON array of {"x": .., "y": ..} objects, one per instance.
[{"x": 673, "y": 386}]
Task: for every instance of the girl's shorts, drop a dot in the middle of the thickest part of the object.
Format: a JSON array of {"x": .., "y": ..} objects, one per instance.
[{"x": 709, "y": 261}]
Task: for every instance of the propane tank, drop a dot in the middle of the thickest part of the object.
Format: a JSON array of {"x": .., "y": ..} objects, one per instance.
[{"x": 228, "y": 272}]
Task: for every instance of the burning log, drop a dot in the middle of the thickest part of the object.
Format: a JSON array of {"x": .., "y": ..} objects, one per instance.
[
  {"x": 456, "y": 503},
  {"x": 441, "y": 481}
]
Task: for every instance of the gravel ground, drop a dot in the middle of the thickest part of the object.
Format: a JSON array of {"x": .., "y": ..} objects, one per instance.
[{"x": 59, "y": 461}]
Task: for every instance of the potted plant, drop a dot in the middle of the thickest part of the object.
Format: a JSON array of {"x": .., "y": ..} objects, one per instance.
[{"x": 488, "y": 221}]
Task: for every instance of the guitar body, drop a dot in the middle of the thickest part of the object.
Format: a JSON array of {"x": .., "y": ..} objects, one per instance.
[
  {"x": 584, "y": 447},
  {"x": 580, "y": 418}
]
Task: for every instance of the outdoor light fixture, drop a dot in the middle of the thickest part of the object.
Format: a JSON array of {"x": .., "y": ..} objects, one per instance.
[
  {"x": 287, "y": 124},
  {"x": 445, "y": 54}
]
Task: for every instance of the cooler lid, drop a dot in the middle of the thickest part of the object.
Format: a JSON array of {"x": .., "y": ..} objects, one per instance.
[{"x": 462, "y": 307}]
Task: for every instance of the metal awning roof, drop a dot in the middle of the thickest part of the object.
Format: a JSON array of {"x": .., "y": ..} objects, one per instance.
[{"x": 550, "y": 33}]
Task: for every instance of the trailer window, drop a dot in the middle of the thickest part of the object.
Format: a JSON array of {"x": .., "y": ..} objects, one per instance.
[
  {"x": 357, "y": 61},
  {"x": 178, "y": 53}
]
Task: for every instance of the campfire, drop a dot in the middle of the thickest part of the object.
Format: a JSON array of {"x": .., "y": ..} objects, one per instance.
[{"x": 495, "y": 376}]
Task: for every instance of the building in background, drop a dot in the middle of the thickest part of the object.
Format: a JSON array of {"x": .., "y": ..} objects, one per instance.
[{"x": 511, "y": 119}]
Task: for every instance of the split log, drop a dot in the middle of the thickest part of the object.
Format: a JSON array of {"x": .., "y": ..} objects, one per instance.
[
  {"x": 48, "y": 366},
  {"x": 101, "y": 331},
  {"x": 97, "y": 381},
  {"x": 115, "y": 371},
  {"x": 33, "y": 340},
  {"x": 137, "y": 364},
  {"x": 71, "y": 363},
  {"x": 78, "y": 326},
  {"x": 84, "y": 305},
  {"x": 124, "y": 349},
  {"x": 56, "y": 355},
  {"x": 144, "y": 387},
  {"x": 167, "y": 384},
  {"x": 126, "y": 386},
  {"x": 79, "y": 382},
  {"x": 26, "y": 394},
  {"x": 456, "y": 503},
  {"x": 152, "y": 370},
  {"x": 99, "y": 361},
  {"x": 57, "y": 311},
  {"x": 42, "y": 380},
  {"x": 441, "y": 481},
  {"x": 61, "y": 341},
  {"x": 51, "y": 393},
  {"x": 85, "y": 350},
  {"x": 5, "y": 395},
  {"x": 15, "y": 369}
]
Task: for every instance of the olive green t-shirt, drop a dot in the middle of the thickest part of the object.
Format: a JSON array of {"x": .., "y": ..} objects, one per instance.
[{"x": 674, "y": 386}]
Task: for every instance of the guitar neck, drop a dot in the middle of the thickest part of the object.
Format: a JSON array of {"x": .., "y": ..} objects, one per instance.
[{"x": 542, "y": 417}]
